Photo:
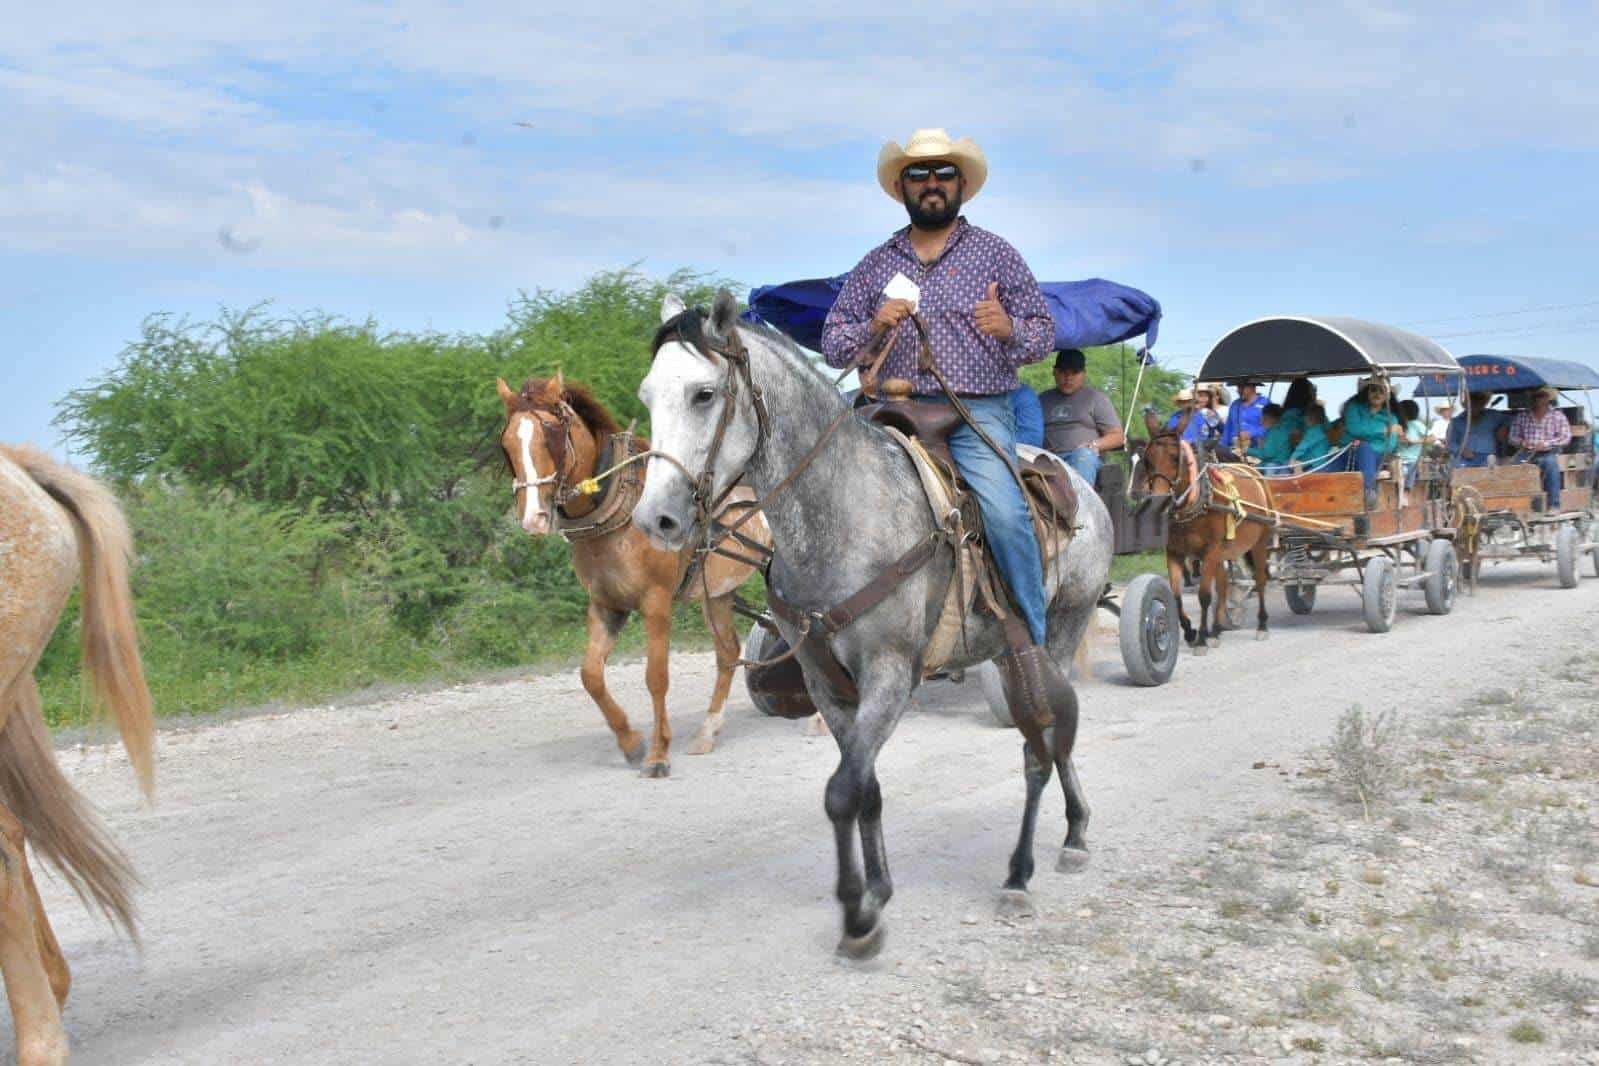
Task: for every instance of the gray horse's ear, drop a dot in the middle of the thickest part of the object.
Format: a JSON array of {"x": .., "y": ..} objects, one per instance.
[
  {"x": 724, "y": 313},
  {"x": 671, "y": 307}
]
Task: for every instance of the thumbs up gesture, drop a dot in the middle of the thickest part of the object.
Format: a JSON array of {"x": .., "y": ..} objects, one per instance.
[{"x": 991, "y": 317}]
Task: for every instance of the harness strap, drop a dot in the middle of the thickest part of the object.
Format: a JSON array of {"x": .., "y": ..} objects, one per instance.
[{"x": 825, "y": 624}]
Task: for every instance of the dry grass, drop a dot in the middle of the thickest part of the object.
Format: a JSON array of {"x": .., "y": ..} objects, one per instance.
[{"x": 1365, "y": 763}]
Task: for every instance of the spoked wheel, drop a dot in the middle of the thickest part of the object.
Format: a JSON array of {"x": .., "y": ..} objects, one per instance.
[
  {"x": 1379, "y": 591},
  {"x": 1149, "y": 630},
  {"x": 1233, "y": 610},
  {"x": 1566, "y": 556},
  {"x": 993, "y": 693},
  {"x": 1301, "y": 598},
  {"x": 1443, "y": 577}
]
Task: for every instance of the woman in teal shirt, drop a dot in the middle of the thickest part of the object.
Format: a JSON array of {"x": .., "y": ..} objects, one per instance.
[{"x": 1372, "y": 431}]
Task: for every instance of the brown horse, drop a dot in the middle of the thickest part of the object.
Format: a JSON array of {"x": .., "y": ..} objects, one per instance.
[
  {"x": 554, "y": 435},
  {"x": 56, "y": 523},
  {"x": 1220, "y": 512}
]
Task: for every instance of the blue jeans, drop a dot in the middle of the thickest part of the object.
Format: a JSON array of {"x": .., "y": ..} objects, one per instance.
[
  {"x": 1368, "y": 461},
  {"x": 1007, "y": 521},
  {"x": 1549, "y": 463},
  {"x": 1086, "y": 461}
]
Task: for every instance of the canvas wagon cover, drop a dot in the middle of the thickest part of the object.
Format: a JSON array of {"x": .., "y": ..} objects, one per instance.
[
  {"x": 1086, "y": 313},
  {"x": 1507, "y": 373},
  {"x": 1295, "y": 346}
]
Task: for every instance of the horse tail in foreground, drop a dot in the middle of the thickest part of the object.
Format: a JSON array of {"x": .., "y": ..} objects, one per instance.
[{"x": 58, "y": 821}]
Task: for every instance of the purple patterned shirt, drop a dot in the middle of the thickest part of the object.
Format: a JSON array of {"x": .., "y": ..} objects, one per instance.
[{"x": 950, "y": 289}]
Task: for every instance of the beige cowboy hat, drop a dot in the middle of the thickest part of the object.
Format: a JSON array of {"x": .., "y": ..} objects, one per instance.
[
  {"x": 932, "y": 144},
  {"x": 1547, "y": 390},
  {"x": 1184, "y": 396}
]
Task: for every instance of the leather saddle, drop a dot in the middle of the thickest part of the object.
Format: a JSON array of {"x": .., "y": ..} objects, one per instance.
[{"x": 1049, "y": 487}]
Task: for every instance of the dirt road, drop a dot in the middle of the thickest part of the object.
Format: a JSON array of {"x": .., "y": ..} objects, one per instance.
[{"x": 474, "y": 876}]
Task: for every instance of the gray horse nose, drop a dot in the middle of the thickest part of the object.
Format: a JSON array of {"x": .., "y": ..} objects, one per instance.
[{"x": 665, "y": 525}]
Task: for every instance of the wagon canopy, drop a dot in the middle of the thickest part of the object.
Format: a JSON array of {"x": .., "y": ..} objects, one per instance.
[
  {"x": 1086, "y": 313},
  {"x": 1301, "y": 346},
  {"x": 1508, "y": 373}
]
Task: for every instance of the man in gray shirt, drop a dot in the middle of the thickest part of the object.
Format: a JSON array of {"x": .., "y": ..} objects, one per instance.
[{"x": 1079, "y": 421}]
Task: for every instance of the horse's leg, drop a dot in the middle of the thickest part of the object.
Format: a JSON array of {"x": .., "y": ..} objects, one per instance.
[
  {"x": 1223, "y": 590},
  {"x": 855, "y": 803},
  {"x": 719, "y": 617},
  {"x": 1209, "y": 633},
  {"x": 1259, "y": 556},
  {"x": 604, "y": 625},
  {"x": 35, "y": 1010},
  {"x": 657, "y": 612},
  {"x": 1174, "y": 573}
]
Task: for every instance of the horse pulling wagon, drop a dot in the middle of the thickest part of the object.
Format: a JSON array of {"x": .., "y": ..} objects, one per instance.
[
  {"x": 1087, "y": 314},
  {"x": 1328, "y": 529},
  {"x": 1501, "y": 509}
]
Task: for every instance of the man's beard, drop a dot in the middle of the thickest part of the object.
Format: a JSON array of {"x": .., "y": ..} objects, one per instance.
[{"x": 946, "y": 206}]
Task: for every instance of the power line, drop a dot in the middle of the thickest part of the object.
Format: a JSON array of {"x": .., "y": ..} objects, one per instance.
[
  {"x": 1506, "y": 314},
  {"x": 1552, "y": 328}
]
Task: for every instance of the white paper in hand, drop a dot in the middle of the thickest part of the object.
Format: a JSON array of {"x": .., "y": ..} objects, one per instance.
[{"x": 900, "y": 287}]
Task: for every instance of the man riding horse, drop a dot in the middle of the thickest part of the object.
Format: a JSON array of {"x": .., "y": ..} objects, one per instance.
[{"x": 985, "y": 317}]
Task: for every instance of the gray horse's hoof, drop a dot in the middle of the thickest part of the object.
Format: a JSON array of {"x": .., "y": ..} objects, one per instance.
[
  {"x": 861, "y": 948},
  {"x": 656, "y": 769},
  {"x": 636, "y": 756},
  {"x": 1261, "y": 634},
  {"x": 1015, "y": 903},
  {"x": 1072, "y": 860},
  {"x": 1200, "y": 649}
]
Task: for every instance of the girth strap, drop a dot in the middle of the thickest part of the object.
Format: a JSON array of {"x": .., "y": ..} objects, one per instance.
[{"x": 825, "y": 624}]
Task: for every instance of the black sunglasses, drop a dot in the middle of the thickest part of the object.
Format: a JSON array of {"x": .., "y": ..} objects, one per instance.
[{"x": 943, "y": 172}]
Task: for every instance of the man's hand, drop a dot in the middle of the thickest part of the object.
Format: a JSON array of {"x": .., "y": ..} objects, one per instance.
[
  {"x": 991, "y": 316},
  {"x": 891, "y": 314}
]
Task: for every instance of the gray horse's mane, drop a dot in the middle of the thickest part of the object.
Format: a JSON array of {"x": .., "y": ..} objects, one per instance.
[{"x": 687, "y": 327}]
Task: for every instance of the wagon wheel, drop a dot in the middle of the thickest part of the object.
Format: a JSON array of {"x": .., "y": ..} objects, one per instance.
[
  {"x": 1237, "y": 597},
  {"x": 1465, "y": 514}
]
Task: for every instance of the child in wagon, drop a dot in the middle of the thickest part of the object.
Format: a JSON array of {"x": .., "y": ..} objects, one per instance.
[{"x": 1275, "y": 448}]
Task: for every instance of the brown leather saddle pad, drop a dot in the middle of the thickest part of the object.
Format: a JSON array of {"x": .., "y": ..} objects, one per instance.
[{"x": 1050, "y": 494}]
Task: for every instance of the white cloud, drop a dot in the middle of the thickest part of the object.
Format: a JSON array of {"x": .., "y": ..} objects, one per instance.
[{"x": 150, "y": 131}]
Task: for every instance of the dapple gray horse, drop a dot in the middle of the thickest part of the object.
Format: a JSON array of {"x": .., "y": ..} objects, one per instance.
[{"x": 848, "y": 515}]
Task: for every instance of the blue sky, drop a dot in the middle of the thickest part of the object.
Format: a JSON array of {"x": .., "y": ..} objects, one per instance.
[{"x": 1431, "y": 166}]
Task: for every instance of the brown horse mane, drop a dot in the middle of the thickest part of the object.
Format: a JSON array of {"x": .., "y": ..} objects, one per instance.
[{"x": 593, "y": 413}]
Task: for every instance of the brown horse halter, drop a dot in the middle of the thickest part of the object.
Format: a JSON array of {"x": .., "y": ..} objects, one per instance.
[{"x": 557, "y": 431}]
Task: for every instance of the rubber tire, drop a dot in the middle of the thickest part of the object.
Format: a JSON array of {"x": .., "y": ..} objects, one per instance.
[
  {"x": 1443, "y": 580},
  {"x": 1379, "y": 594},
  {"x": 1151, "y": 634},
  {"x": 759, "y": 645},
  {"x": 993, "y": 693},
  {"x": 1566, "y": 556},
  {"x": 1301, "y": 598}
]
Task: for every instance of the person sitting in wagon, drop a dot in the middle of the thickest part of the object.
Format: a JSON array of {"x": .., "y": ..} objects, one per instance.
[
  {"x": 1372, "y": 432},
  {"x": 1275, "y": 449},
  {"x": 1314, "y": 447},
  {"x": 1191, "y": 402},
  {"x": 1080, "y": 422},
  {"x": 1539, "y": 433},
  {"x": 1474, "y": 434},
  {"x": 1300, "y": 397},
  {"x": 1412, "y": 436},
  {"x": 1243, "y": 415}
]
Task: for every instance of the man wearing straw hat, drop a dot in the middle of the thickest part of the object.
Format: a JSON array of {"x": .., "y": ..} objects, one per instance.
[
  {"x": 1538, "y": 433},
  {"x": 984, "y": 316}
]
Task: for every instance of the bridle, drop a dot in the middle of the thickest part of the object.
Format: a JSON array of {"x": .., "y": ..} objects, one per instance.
[
  {"x": 1186, "y": 459},
  {"x": 557, "y": 430},
  {"x": 737, "y": 357}
]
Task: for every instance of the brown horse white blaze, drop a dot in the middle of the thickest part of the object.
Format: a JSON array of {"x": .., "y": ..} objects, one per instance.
[
  {"x": 554, "y": 434},
  {"x": 1208, "y": 527},
  {"x": 56, "y": 524}
]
